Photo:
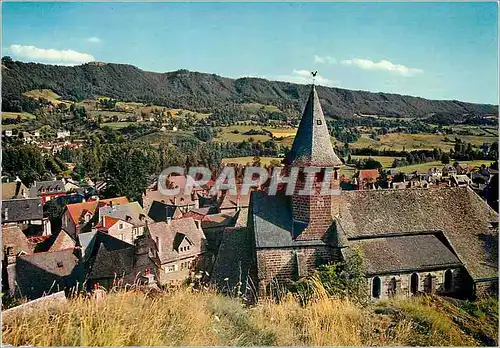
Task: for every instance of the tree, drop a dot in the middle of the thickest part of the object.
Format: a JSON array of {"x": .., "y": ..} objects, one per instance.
[
  {"x": 126, "y": 169},
  {"x": 445, "y": 158}
]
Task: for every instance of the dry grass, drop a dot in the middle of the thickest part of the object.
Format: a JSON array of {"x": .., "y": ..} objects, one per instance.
[{"x": 186, "y": 318}]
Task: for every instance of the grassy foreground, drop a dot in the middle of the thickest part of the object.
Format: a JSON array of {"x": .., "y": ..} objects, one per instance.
[{"x": 187, "y": 318}]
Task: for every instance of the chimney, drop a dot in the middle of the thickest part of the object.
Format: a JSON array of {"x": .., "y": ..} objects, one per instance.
[
  {"x": 168, "y": 220},
  {"x": 103, "y": 221},
  {"x": 175, "y": 200},
  {"x": 6, "y": 214},
  {"x": 238, "y": 202}
]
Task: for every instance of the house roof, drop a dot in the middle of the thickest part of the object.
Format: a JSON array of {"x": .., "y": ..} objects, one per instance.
[
  {"x": 59, "y": 263},
  {"x": 62, "y": 241},
  {"x": 106, "y": 223},
  {"x": 106, "y": 255},
  {"x": 12, "y": 190},
  {"x": 404, "y": 253},
  {"x": 167, "y": 232},
  {"x": 130, "y": 212},
  {"x": 50, "y": 187},
  {"x": 234, "y": 259},
  {"x": 12, "y": 236},
  {"x": 14, "y": 210},
  {"x": 460, "y": 213},
  {"x": 113, "y": 201},
  {"x": 219, "y": 220},
  {"x": 109, "y": 263},
  {"x": 76, "y": 210},
  {"x": 159, "y": 211},
  {"x": 229, "y": 201},
  {"x": 273, "y": 223},
  {"x": 367, "y": 174},
  {"x": 312, "y": 145}
]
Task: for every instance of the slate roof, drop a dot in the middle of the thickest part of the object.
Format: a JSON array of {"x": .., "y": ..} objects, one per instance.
[
  {"x": 45, "y": 272},
  {"x": 106, "y": 255},
  {"x": 13, "y": 236},
  {"x": 219, "y": 220},
  {"x": 62, "y": 241},
  {"x": 50, "y": 187},
  {"x": 109, "y": 263},
  {"x": 12, "y": 190},
  {"x": 161, "y": 211},
  {"x": 312, "y": 145},
  {"x": 130, "y": 212},
  {"x": 14, "y": 210},
  {"x": 272, "y": 220},
  {"x": 234, "y": 260},
  {"x": 460, "y": 213},
  {"x": 404, "y": 253},
  {"x": 167, "y": 232}
]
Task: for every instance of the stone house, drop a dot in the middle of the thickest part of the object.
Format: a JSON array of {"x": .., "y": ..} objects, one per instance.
[
  {"x": 128, "y": 221},
  {"x": 443, "y": 238},
  {"x": 109, "y": 262},
  {"x": 14, "y": 190},
  {"x": 79, "y": 217},
  {"x": 27, "y": 214},
  {"x": 118, "y": 228},
  {"x": 47, "y": 190},
  {"x": 38, "y": 274},
  {"x": 181, "y": 247}
]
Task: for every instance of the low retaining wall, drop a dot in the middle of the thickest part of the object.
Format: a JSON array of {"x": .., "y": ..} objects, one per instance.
[{"x": 54, "y": 299}]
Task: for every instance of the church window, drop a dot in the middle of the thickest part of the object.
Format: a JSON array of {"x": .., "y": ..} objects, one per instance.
[
  {"x": 448, "y": 280},
  {"x": 376, "y": 285},
  {"x": 414, "y": 283},
  {"x": 392, "y": 287}
]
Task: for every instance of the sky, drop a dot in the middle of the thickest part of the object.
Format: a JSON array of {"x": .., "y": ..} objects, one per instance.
[{"x": 431, "y": 50}]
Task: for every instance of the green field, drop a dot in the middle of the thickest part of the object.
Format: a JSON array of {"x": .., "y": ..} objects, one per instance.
[
  {"x": 249, "y": 159},
  {"x": 256, "y": 107},
  {"x": 117, "y": 125},
  {"x": 409, "y": 142},
  {"x": 46, "y": 94},
  {"x": 24, "y": 115},
  {"x": 228, "y": 135},
  {"x": 386, "y": 161},
  {"x": 424, "y": 167}
]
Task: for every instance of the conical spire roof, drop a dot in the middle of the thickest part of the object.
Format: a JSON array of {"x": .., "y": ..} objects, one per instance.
[{"x": 312, "y": 146}]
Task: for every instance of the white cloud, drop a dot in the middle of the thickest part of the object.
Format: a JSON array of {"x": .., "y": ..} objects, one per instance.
[
  {"x": 383, "y": 64},
  {"x": 305, "y": 77},
  {"x": 93, "y": 39},
  {"x": 324, "y": 59},
  {"x": 42, "y": 55}
]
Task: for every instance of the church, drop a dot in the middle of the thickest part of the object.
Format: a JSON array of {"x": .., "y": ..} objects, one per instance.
[{"x": 419, "y": 240}]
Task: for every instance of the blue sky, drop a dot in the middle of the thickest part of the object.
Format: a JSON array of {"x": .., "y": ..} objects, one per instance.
[{"x": 432, "y": 50}]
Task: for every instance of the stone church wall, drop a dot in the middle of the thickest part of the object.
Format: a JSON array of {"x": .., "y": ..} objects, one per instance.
[
  {"x": 278, "y": 266},
  {"x": 428, "y": 282}
]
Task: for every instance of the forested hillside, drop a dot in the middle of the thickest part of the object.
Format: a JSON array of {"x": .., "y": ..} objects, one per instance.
[{"x": 206, "y": 92}]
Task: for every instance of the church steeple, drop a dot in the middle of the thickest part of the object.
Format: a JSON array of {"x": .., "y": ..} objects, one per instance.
[{"x": 312, "y": 146}]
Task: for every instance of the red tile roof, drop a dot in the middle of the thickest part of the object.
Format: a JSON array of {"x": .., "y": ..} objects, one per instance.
[{"x": 365, "y": 174}]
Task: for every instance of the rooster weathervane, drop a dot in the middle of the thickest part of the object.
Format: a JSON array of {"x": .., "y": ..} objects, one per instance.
[{"x": 314, "y": 73}]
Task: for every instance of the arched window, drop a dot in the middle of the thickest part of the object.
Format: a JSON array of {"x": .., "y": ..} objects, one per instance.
[
  {"x": 392, "y": 287},
  {"x": 448, "y": 280},
  {"x": 414, "y": 283},
  {"x": 429, "y": 284},
  {"x": 376, "y": 285}
]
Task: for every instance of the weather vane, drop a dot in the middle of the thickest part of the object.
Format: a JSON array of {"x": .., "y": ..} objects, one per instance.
[{"x": 314, "y": 73}]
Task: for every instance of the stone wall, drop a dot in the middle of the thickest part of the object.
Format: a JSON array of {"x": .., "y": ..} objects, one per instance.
[
  {"x": 428, "y": 282},
  {"x": 290, "y": 264},
  {"x": 486, "y": 288}
]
